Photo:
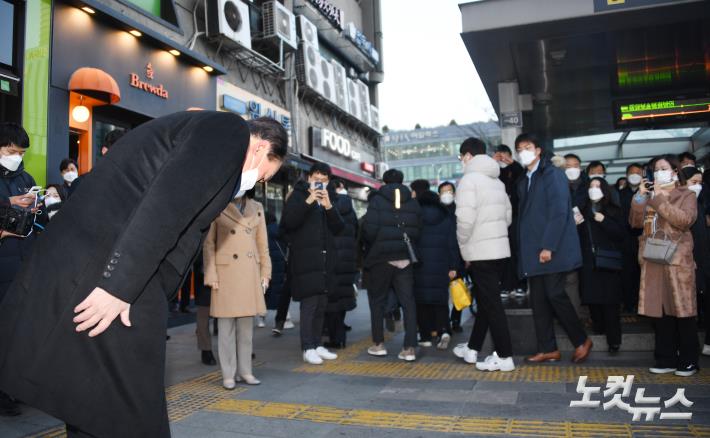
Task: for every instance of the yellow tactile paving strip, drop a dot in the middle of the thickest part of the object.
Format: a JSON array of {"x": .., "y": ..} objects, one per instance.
[{"x": 451, "y": 424}]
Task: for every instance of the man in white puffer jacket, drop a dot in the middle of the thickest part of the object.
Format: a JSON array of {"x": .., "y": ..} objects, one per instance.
[{"x": 483, "y": 215}]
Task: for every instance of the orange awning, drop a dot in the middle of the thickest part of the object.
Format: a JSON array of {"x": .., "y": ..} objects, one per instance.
[{"x": 95, "y": 83}]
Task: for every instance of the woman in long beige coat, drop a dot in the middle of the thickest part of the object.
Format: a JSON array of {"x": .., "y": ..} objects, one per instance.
[
  {"x": 238, "y": 269},
  {"x": 667, "y": 292}
]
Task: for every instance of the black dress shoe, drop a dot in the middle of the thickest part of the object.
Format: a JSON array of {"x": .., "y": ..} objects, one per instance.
[
  {"x": 347, "y": 328},
  {"x": 614, "y": 348},
  {"x": 208, "y": 358}
]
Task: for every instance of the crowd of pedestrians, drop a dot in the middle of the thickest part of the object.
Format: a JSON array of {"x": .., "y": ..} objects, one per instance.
[{"x": 515, "y": 225}]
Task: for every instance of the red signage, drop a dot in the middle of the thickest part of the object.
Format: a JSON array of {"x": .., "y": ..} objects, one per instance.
[
  {"x": 368, "y": 167},
  {"x": 136, "y": 82}
]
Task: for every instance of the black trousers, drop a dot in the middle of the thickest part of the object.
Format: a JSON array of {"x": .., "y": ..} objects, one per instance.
[
  {"x": 432, "y": 318},
  {"x": 455, "y": 317},
  {"x": 335, "y": 322},
  {"x": 607, "y": 320},
  {"x": 284, "y": 303},
  {"x": 487, "y": 276},
  {"x": 676, "y": 342},
  {"x": 549, "y": 299},
  {"x": 384, "y": 276},
  {"x": 312, "y": 319}
]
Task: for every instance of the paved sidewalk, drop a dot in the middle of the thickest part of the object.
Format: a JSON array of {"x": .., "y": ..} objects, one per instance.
[{"x": 362, "y": 396}]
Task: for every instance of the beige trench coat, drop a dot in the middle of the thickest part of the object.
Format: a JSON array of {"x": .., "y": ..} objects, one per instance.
[
  {"x": 668, "y": 289},
  {"x": 236, "y": 255}
]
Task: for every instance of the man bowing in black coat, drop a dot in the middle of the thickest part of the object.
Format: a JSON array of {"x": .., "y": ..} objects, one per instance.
[{"x": 121, "y": 247}]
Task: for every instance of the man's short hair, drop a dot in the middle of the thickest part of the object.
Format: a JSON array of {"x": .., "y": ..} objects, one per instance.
[
  {"x": 596, "y": 164},
  {"x": 319, "y": 168},
  {"x": 473, "y": 146},
  {"x": 445, "y": 184},
  {"x": 393, "y": 176},
  {"x": 336, "y": 183},
  {"x": 504, "y": 148},
  {"x": 420, "y": 186},
  {"x": 687, "y": 156},
  {"x": 575, "y": 156},
  {"x": 528, "y": 138},
  {"x": 272, "y": 131},
  {"x": 634, "y": 165},
  {"x": 12, "y": 133},
  {"x": 64, "y": 165},
  {"x": 112, "y": 137}
]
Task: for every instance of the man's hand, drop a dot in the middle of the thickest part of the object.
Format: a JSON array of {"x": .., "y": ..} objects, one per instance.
[
  {"x": 545, "y": 256},
  {"x": 452, "y": 275},
  {"x": 324, "y": 199},
  {"x": 313, "y": 197},
  {"x": 598, "y": 217},
  {"x": 24, "y": 201},
  {"x": 99, "y": 310}
]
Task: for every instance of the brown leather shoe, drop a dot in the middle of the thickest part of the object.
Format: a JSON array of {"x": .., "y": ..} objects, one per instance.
[
  {"x": 582, "y": 352},
  {"x": 552, "y": 356}
]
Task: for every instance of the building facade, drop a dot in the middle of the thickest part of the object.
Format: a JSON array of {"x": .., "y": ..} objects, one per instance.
[
  {"x": 432, "y": 153},
  {"x": 81, "y": 68}
]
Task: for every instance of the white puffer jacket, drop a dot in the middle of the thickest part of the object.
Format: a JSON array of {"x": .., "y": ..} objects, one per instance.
[{"x": 483, "y": 212}]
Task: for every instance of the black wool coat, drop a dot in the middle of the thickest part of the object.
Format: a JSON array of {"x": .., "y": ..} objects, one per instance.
[
  {"x": 14, "y": 250},
  {"x": 438, "y": 251},
  {"x": 343, "y": 296},
  {"x": 277, "y": 252},
  {"x": 599, "y": 286},
  {"x": 383, "y": 226},
  {"x": 133, "y": 228},
  {"x": 310, "y": 231}
]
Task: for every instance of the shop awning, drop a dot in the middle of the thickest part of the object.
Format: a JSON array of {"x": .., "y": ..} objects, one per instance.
[
  {"x": 95, "y": 83},
  {"x": 348, "y": 175}
]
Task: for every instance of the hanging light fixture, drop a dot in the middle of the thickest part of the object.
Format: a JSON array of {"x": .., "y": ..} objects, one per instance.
[{"x": 80, "y": 113}]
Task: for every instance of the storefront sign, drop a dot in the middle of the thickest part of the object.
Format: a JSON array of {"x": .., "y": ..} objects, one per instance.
[
  {"x": 327, "y": 139},
  {"x": 404, "y": 137},
  {"x": 331, "y": 12},
  {"x": 360, "y": 40},
  {"x": 249, "y": 106},
  {"x": 368, "y": 167},
  {"x": 136, "y": 82}
]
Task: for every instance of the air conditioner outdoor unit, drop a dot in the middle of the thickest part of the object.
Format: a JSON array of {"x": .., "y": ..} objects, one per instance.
[
  {"x": 326, "y": 69},
  {"x": 341, "y": 85},
  {"x": 353, "y": 98},
  {"x": 308, "y": 31},
  {"x": 308, "y": 68},
  {"x": 364, "y": 100},
  {"x": 279, "y": 24},
  {"x": 229, "y": 20},
  {"x": 375, "y": 118},
  {"x": 380, "y": 169}
]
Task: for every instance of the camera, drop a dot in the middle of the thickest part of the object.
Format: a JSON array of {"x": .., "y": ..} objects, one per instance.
[
  {"x": 16, "y": 221},
  {"x": 317, "y": 185}
]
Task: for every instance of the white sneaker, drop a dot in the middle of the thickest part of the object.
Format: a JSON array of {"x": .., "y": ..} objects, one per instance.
[
  {"x": 706, "y": 350},
  {"x": 658, "y": 370},
  {"x": 495, "y": 363},
  {"x": 444, "y": 342},
  {"x": 288, "y": 324},
  {"x": 407, "y": 354},
  {"x": 323, "y": 353},
  {"x": 377, "y": 350},
  {"x": 425, "y": 343},
  {"x": 311, "y": 357},
  {"x": 261, "y": 322},
  {"x": 462, "y": 351},
  {"x": 229, "y": 384}
]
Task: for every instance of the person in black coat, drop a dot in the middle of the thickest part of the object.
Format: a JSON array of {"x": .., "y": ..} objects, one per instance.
[
  {"x": 438, "y": 264},
  {"x": 70, "y": 172},
  {"x": 122, "y": 246},
  {"x": 631, "y": 275},
  {"x": 447, "y": 195},
  {"x": 390, "y": 229},
  {"x": 343, "y": 298},
  {"x": 311, "y": 222},
  {"x": 603, "y": 230},
  {"x": 110, "y": 139},
  {"x": 277, "y": 251}
]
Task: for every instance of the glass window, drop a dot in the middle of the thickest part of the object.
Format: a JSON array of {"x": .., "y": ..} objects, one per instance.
[
  {"x": 274, "y": 199},
  {"x": 7, "y": 41}
]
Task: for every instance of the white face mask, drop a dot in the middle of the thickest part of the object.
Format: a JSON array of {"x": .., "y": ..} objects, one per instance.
[
  {"x": 69, "y": 177},
  {"x": 634, "y": 179},
  {"x": 595, "y": 194},
  {"x": 447, "y": 198},
  {"x": 249, "y": 179},
  {"x": 342, "y": 192},
  {"x": 663, "y": 177},
  {"x": 573, "y": 173},
  {"x": 596, "y": 175},
  {"x": 696, "y": 188},
  {"x": 51, "y": 201},
  {"x": 11, "y": 162},
  {"x": 502, "y": 164},
  {"x": 526, "y": 157}
]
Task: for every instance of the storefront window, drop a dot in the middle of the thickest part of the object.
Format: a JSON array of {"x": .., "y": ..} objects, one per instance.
[
  {"x": 7, "y": 29},
  {"x": 274, "y": 199}
]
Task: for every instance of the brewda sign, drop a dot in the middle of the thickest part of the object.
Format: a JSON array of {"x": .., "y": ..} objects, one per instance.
[{"x": 136, "y": 82}]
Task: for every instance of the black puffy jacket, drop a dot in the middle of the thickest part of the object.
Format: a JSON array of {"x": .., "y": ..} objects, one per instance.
[
  {"x": 310, "y": 231},
  {"x": 383, "y": 225},
  {"x": 343, "y": 296},
  {"x": 438, "y": 252}
]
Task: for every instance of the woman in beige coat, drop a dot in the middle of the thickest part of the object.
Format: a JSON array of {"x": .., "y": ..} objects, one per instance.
[
  {"x": 238, "y": 268},
  {"x": 667, "y": 292}
]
